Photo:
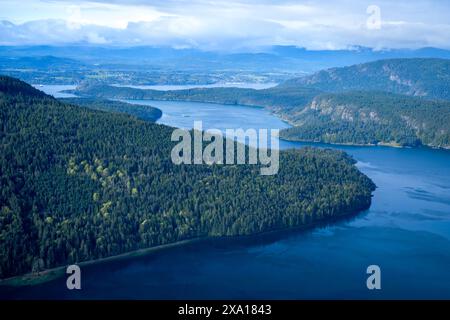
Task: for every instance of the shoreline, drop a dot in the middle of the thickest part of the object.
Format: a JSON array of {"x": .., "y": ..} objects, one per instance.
[
  {"x": 33, "y": 279},
  {"x": 380, "y": 144},
  {"x": 350, "y": 144}
]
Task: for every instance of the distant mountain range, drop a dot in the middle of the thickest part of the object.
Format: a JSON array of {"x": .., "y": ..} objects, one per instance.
[
  {"x": 276, "y": 58},
  {"x": 38, "y": 62}
]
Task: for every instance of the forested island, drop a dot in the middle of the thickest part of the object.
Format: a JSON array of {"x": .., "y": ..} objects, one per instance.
[
  {"x": 79, "y": 184},
  {"x": 140, "y": 111},
  {"x": 363, "y": 106}
]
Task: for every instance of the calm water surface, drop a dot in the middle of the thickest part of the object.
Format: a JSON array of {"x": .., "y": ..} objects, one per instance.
[
  {"x": 55, "y": 90},
  {"x": 406, "y": 232}
]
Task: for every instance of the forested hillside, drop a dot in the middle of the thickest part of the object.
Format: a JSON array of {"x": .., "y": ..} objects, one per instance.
[
  {"x": 372, "y": 118},
  {"x": 80, "y": 184},
  {"x": 429, "y": 78},
  {"x": 140, "y": 111}
]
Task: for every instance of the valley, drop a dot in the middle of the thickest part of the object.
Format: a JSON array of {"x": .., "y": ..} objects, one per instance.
[
  {"x": 354, "y": 115},
  {"x": 408, "y": 219}
]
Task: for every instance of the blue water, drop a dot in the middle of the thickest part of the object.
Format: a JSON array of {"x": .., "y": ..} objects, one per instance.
[
  {"x": 406, "y": 232},
  {"x": 217, "y": 116},
  {"x": 56, "y": 90}
]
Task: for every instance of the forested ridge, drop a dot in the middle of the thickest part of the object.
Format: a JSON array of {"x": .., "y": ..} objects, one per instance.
[
  {"x": 80, "y": 184},
  {"x": 372, "y": 118},
  {"x": 420, "y": 77}
]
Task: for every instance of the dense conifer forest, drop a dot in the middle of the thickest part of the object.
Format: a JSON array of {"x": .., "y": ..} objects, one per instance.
[{"x": 80, "y": 184}]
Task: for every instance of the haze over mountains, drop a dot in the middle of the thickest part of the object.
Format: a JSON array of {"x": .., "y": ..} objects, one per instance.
[{"x": 274, "y": 58}]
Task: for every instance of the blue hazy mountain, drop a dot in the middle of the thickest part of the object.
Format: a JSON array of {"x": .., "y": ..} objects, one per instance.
[
  {"x": 275, "y": 58},
  {"x": 38, "y": 62}
]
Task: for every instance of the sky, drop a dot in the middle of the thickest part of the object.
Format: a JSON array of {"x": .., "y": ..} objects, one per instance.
[{"x": 228, "y": 24}]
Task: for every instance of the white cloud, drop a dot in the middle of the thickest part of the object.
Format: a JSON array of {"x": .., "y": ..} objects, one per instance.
[{"x": 222, "y": 24}]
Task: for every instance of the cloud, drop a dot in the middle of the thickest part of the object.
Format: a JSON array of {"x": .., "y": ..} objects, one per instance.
[
  {"x": 230, "y": 25},
  {"x": 50, "y": 32}
]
